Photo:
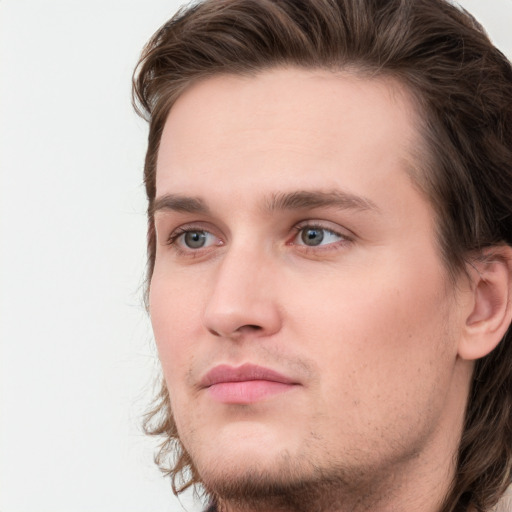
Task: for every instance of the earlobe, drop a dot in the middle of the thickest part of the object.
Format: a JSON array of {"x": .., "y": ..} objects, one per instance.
[{"x": 491, "y": 312}]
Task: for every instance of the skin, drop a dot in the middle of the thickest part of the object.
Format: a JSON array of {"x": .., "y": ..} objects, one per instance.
[{"x": 367, "y": 324}]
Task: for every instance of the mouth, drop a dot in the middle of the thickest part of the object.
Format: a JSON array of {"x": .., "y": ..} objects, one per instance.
[{"x": 245, "y": 384}]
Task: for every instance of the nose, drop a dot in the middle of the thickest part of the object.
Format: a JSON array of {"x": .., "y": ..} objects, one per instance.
[{"x": 243, "y": 300}]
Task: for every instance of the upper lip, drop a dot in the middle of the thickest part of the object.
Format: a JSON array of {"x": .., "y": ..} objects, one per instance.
[{"x": 225, "y": 373}]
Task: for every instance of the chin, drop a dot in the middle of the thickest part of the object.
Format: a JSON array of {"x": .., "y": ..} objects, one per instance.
[
  {"x": 255, "y": 478},
  {"x": 246, "y": 453},
  {"x": 281, "y": 482},
  {"x": 241, "y": 445}
]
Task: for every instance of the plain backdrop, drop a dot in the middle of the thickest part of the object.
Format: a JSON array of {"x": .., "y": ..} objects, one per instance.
[{"x": 77, "y": 360}]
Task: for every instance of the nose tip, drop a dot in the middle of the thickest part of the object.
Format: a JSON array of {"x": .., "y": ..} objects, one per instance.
[
  {"x": 241, "y": 304},
  {"x": 249, "y": 318}
]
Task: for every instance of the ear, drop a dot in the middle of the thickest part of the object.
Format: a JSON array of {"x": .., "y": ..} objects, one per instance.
[{"x": 491, "y": 308}]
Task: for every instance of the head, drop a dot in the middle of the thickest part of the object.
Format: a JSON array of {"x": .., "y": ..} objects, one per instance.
[{"x": 429, "y": 71}]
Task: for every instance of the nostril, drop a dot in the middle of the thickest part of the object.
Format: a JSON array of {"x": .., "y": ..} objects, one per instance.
[
  {"x": 248, "y": 328},
  {"x": 237, "y": 332},
  {"x": 253, "y": 327}
]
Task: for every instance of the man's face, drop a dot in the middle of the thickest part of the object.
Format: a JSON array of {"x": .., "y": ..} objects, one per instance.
[{"x": 300, "y": 306}]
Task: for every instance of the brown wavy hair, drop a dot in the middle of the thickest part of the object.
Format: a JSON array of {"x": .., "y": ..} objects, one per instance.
[{"x": 463, "y": 88}]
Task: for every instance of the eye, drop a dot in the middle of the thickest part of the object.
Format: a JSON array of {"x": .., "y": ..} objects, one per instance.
[
  {"x": 192, "y": 239},
  {"x": 313, "y": 236}
]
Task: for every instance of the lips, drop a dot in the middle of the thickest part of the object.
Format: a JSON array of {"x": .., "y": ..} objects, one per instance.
[{"x": 245, "y": 384}]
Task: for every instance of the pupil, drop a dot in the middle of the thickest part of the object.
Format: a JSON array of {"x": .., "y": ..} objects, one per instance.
[
  {"x": 195, "y": 239},
  {"x": 312, "y": 236}
]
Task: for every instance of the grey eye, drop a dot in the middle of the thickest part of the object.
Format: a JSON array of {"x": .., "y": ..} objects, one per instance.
[
  {"x": 194, "y": 239},
  {"x": 312, "y": 236}
]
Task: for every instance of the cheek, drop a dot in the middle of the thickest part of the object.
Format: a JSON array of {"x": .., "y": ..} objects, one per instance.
[
  {"x": 176, "y": 324},
  {"x": 381, "y": 332}
]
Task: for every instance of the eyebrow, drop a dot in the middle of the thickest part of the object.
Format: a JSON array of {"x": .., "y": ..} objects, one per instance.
[
  {"x": 303, "y": 199},
  {"x": 179, "y": 203},
  {"x": 297, "y": 200}
]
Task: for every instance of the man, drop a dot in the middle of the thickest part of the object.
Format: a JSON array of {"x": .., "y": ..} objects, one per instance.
[{"x": 330, "y": 222}]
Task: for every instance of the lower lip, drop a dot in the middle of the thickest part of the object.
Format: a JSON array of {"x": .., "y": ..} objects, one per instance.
[{"x": 247, "y": 392}]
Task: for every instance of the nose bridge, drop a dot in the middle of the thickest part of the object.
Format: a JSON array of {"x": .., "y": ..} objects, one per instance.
[{"x": 241, "y": 296}]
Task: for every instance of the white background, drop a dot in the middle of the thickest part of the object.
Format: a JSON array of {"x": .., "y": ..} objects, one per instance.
[{"x": 77, "y": 361}]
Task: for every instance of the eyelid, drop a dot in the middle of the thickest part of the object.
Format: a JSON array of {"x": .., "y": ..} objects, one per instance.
[
  {"x": 344, "y": 234},
  {"x": 327, "y": 225},
  {"x": 173, "y": 239}
]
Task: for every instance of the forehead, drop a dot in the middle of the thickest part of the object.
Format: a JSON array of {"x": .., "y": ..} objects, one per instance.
[{"x": 309, "y": 124}]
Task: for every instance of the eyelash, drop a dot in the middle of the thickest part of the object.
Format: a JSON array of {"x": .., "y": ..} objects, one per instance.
[
  {"x": 174, "y": 237},
  {"x": 344, "y": 238}
]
